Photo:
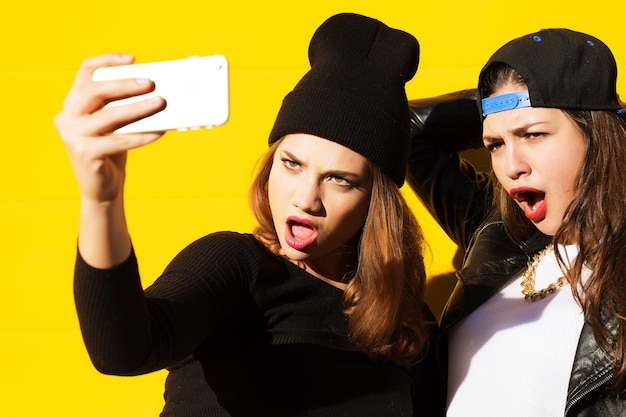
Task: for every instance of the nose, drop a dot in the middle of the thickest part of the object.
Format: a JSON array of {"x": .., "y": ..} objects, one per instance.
[
  {"x": 307, "y": 195},
  {"x": 515, "y": 164}
]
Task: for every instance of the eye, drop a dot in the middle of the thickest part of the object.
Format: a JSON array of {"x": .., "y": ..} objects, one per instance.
[
  {"x": 290, "y": 163},
  {"x": 493, "y": 146},
  {"x": 341, "y": 181},
  {"x": 535, "y": 135}
]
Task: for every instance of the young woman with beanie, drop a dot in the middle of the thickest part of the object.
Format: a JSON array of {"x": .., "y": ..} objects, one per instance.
[
  {"x": 536, "y": 325},
  {"x": 320, "y": 311}
]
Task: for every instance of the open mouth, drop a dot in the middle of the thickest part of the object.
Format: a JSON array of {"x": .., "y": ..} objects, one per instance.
[
  {"x": 529, "y": 197},
  {"x": 299, "y": 233},
  {"x": 532, "y": 202}
]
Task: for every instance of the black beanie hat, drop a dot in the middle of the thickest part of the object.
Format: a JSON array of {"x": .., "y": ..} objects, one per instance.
[
  {"x": 562, "y": 68},
  {"x": 354, "y": 92}
]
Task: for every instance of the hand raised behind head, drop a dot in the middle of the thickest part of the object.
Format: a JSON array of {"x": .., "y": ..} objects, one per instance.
[{"x": 98, "y": 156}]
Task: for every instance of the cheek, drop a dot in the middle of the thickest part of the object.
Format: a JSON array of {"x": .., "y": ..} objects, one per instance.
[
  {"x": 571, "y": 155},
  {"x": 563, "y": 173},
  {"x": 351, "y": 217},
  {"x": 275, "y": 192},
  {"x": 271, "y": 190},
  {"x": 565, "y": 180}
]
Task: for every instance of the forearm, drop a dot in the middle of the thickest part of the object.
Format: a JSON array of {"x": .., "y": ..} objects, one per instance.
[
  {"x": 456, "y": 195},
  {"x": 103, "y": 241},
  {"x": 129, "y": 331},
  {"x": 112, "y": 316}
]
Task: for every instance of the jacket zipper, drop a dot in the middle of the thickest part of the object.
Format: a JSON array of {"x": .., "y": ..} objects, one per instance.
[{"x": 597, "y": 384}]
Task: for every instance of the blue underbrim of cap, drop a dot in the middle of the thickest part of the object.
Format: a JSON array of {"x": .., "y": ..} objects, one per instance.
[{"x": 505, "y": 102}]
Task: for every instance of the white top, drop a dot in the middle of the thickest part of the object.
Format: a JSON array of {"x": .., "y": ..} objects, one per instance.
[{"x": 513, "y": 357}]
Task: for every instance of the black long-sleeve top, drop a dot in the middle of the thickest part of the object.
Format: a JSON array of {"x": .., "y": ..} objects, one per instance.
[{"x": 243, "y": 333}]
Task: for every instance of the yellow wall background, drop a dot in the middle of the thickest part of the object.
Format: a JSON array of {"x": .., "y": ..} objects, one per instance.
[{"x": 187, "y": 184}]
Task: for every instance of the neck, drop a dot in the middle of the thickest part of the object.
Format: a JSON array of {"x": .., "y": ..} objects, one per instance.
[{"x": 335, "y": 269}]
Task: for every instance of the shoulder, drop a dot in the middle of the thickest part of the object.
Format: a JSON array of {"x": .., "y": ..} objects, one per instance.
[
  {"x": 222, "y": 251},
  {"x": 492, "y": 242},
  {"x": 224, "y": 245},
  {"x": 225, "y": 238}
]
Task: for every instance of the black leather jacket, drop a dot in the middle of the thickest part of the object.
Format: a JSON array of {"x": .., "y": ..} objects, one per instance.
[{"x": 459, "y": 198}]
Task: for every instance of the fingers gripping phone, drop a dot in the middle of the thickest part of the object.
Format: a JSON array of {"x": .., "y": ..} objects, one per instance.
[{"x": 195, "y": 88}]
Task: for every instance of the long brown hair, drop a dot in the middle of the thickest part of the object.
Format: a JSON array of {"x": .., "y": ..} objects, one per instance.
[
  {"x": 595, "y": 221},
  {"x": 384, "y": 299}
]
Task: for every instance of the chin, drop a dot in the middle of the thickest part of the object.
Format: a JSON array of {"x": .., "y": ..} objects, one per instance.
[
  {"x": 547, "y": 228},
  {"x": 293, "y": 254}
]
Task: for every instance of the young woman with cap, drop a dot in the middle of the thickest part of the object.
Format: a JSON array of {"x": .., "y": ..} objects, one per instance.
[
  {"x": 536, "y": 324},
  {"x": 318, "y": 312}
]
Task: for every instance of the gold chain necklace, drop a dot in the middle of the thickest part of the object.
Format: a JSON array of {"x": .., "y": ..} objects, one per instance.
[{"x": 528, "y": 283}]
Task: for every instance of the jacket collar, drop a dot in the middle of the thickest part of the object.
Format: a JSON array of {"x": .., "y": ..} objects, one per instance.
[{"x": 491, "y": 260}]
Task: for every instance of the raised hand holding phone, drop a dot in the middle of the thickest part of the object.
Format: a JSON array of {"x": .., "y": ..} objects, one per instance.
[{"x": 98, "y": 157}]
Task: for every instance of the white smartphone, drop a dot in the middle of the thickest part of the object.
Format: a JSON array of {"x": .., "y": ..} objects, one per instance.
[{"x": 195, "y": 88}]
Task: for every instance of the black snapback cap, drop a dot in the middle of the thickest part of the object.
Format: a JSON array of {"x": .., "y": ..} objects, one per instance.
[{"x": 562, "y": 68}]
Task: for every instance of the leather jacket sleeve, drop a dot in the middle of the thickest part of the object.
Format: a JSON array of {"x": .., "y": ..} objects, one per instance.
[{"x": 455, "y": 193}]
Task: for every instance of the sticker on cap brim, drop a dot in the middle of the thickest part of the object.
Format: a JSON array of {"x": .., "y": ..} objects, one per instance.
[{"x": 505, "y": 102}]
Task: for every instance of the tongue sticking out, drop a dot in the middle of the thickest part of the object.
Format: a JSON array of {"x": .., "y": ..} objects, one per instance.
[{"x": 299, "y": 236}]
